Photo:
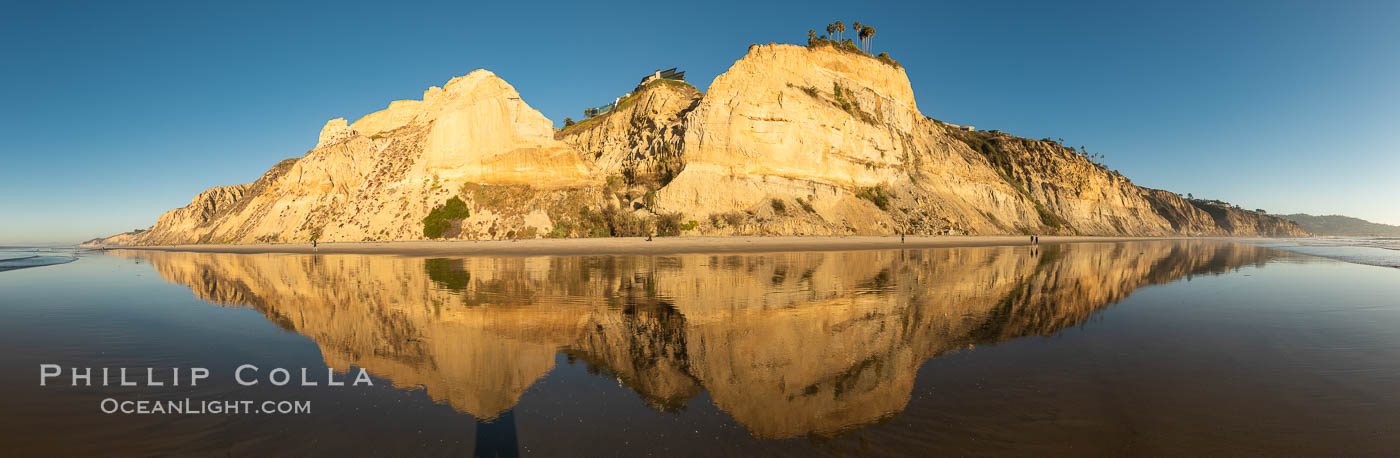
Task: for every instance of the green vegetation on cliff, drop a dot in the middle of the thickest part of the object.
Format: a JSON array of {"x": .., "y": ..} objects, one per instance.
[
  {"x": 992, "y": 145},
  {"x": 864, "y": 32},
  {"x": 440, "y": 220}
]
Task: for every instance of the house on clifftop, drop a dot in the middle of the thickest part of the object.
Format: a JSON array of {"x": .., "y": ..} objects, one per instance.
[{"x": 670, "y": 74}]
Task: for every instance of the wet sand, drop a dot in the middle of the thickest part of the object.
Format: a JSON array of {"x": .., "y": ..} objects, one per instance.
[{"x": 636, "y": 245}]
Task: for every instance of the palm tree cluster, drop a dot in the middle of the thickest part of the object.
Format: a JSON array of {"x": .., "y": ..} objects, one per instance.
[
  {"x": 1095, "y": 158},
  {"x": 864, "y": 32},
  {"x": 867, "y": 37}
]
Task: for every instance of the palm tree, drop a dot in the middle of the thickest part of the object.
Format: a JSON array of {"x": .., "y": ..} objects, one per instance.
[
  {"x": 869, "y": 33},
  {"x": 811, "y": 36},
  {"x": 855, "y": 25},
  {"x": 831, "y": 30},
  {"x": 839, "y": 29},
  {"x": 864, "y": 33}
]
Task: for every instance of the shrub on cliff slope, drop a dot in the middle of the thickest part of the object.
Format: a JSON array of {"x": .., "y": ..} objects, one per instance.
[
  {"x": 876, "y": 195},
  {"x": 592, "y": 224},
  {"x": 440, "y": 219},
  {"x": 850, "y": 47},
  {"x": 1047, "y": 218},
  {"x": 806, "y": 205},
  {"x": 668, "y": 225},
  {"x": 626, "y": 224},
  {"x": 729, "y": 219}
]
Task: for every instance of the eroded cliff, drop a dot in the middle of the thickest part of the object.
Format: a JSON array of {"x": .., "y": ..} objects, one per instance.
[{"x": 791, "y": 140}]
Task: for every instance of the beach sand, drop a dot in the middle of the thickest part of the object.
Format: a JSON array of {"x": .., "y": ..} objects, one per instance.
[{"x": 635, "y": 245}]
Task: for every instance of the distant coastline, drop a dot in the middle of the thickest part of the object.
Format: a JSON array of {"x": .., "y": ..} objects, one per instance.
[{"x": 1341, "y": 226}]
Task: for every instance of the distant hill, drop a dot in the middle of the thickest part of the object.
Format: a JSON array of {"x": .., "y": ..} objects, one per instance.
[{"x": 1342, "y": 225}]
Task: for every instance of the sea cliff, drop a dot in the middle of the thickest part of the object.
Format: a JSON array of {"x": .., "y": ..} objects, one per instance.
[{"x": 792, "y": 140}]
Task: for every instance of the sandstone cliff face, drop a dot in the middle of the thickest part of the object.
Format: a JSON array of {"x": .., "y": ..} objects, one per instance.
[
  {"x": 1196, "y": 217},
  {"x": 641, "y": 139},
  {"x": 790, "y": 140},
  {"x": 788, "y": 344},
  {"x": 1082, "y": 197},
  {"x": 1073, "y": 194},
  {"x": 1185, "y": 218},
  {"x": 789, "y": 122},
  {"x": 1236, "y": 221},
  {"x": 819, "y": 127},
  {"x": 377, "y": 178}
]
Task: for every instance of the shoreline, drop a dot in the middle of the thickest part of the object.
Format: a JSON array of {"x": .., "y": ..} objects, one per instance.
[{"x": 639, "y": 245}]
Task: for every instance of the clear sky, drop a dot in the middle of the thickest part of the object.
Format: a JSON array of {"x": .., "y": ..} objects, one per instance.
[{"x": 118, "y": 111}]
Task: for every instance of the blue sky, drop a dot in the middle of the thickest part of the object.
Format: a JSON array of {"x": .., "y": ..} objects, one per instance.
[{"x": 118, "y": 111}]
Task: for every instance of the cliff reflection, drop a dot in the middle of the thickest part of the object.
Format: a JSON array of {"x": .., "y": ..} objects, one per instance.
[{"x": 788, "y": 344}]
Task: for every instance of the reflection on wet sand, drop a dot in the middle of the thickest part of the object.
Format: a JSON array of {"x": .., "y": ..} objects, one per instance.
[{"x": 788, "y": 344}]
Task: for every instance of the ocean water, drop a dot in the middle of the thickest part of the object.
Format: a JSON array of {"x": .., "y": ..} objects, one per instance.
[
  {"x": 14, "y": 257},
  {"x": 1184, "y": 348},
  {"x": 1375, "y": 251}
]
